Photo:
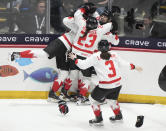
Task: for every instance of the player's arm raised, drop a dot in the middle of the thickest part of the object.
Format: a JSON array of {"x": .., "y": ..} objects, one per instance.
[
  {"x": 78, "y": 17},
  {"x": 70, "y": 23}
]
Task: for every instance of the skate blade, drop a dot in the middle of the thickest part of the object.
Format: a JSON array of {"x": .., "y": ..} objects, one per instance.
[
  {"x": 79, "y": 103},
  {"x": 64, "y": 98},
  {"x": 52, "y": 100},
  {"x": 73, "y": 100},
  {"x": 117, "y": 121},
  {"x": 96, "y": 124}
]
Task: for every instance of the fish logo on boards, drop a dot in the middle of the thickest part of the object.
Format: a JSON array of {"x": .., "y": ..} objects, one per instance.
[
  {"x": 43, "y": 75},
  {"x": 8, "y": 70}
]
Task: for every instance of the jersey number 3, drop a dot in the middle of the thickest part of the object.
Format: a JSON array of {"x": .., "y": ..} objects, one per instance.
[
  {"x": 111, "y": 68},
  {"x": 87, "y": 43}
]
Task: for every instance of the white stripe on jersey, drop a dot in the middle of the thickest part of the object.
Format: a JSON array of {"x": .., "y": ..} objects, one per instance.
[{"x": 67, "y": 39}]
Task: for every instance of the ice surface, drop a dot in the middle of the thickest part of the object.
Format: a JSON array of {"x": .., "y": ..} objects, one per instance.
[{"x": 39, "y": 115}]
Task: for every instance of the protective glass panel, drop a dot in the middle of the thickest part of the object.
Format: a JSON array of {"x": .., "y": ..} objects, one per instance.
[
  {"x": 140, "y": 18},
  {"x": 23, "y": 16},
  {"x": 135, "y": 18},
  {"x": 63, "y": 8}
]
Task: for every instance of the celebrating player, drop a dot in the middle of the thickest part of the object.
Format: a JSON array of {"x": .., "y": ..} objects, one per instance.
[
  {"x": 106, "y": 64},
  {"x": 85, "y": 43},
  {"x": 112, "y": 38},
  {"x": 58, "y": 48}
]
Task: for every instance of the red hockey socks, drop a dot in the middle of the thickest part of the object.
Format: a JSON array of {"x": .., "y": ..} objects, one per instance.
[
  {"x": 116, "y": 108},
  {"x": 96, "y": 110},
  {"x": 56, "y": 86},
  {"x": 68, "y": 84}
]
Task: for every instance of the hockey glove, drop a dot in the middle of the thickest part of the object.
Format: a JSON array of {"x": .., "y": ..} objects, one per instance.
[
  {"x": 63, "y": 108},
  {"x": 139, "y": 122},
  {"x": 89, "y": 7}
]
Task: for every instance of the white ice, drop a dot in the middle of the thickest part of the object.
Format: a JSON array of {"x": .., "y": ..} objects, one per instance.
[{"x": 39, "y": 115}]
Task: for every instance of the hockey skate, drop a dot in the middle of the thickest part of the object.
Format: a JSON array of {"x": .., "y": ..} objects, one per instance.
[
  {"x": 64, "y": 95},
  {"x": 52, "y": 97},
  {"x": 82, "y": 100},
  {"x": 115, "y": 118},
  {"x": 98, "y": 121},
  {"x": 73, "y": 98}
]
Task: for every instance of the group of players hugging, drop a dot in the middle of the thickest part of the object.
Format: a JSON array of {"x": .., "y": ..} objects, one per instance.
[{"x": 89, "y": 41}]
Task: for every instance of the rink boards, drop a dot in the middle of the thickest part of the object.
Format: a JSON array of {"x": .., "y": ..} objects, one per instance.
[{"x": 137, "y": 87}]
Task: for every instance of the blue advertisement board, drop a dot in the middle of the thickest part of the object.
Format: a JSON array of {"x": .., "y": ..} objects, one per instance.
[{"x": 38, "y": 40}]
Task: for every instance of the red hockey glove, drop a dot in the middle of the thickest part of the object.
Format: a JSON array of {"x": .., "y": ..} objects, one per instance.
[{"x": 63, "y": 108}]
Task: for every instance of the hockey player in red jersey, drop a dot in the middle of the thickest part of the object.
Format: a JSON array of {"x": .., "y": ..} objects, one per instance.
[{"x": 106, "y": 64}]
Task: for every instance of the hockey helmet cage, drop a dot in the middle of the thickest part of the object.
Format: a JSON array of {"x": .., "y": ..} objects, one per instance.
[{"x": 107, "y": 13}]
